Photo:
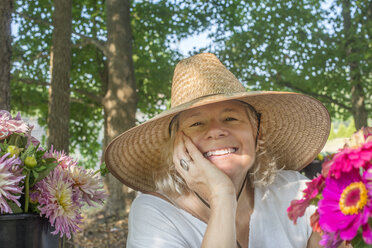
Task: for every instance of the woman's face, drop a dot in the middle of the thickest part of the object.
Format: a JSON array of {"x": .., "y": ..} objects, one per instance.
[{"x": 223, "y": 134}]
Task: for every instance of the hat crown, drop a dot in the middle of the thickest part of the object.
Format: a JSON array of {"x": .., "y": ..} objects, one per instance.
[{"x": 202, "y": 75}]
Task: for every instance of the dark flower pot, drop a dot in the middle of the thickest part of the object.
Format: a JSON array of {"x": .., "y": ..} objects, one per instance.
[{"x": 26, "y": 231}]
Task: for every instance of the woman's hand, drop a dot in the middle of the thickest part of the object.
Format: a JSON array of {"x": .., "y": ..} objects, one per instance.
[
  {"x": 214, "y": 186},
  {"x": 202, "y": 176}
]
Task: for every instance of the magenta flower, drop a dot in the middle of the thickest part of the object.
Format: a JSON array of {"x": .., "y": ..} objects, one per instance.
[
  {"x": 298, "y": 207},
  {"x": 349, "y": 159},
  {"x": 10, "y": 180},
  {"x": 330, "y": 240},
  {"x": 8, "y": 125},
  {"x": 59, "y": 202},
  {"x": 89, "y": 184},
  {"x": 345, "y": 206}
]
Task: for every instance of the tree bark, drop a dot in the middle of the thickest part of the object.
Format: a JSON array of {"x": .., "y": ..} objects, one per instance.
[
  {"x": 59, "y": 92},
  {"x": 358, "y": 108},
  {"x": 120, "y": 101},
  {"x": 6, "y": 8}
]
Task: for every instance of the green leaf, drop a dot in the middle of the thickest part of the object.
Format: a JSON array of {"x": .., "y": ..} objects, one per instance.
[
  {"x": 44, "y": 173},
  {"x": 29, "y": 152},
  {"x": 14, "y": 207},
  {"x": 50, "y": 160},
  {"x": 358, "y": 242},
  {"x": 103, "y": 169},
  {"x": 35, "y": 175},
  {"x": 18, "y": 139}
]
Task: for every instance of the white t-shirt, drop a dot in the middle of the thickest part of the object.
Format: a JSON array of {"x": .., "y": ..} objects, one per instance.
[{"x": 154, "y": 222}]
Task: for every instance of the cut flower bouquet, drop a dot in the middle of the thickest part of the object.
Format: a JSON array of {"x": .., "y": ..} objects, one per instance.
[
  {"x": 47, "y": 182},
  {"x": 343, "y": 195}
]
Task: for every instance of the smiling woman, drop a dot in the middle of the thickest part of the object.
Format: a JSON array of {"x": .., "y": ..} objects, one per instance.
[
  {"x": 230, "y": 120},
  {"x": 219, "y": 168}
]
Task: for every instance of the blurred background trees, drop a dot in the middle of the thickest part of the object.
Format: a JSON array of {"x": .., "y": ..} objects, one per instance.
[
  {"x": 319, "y": 48},
  {"x": 6, "y": 9}
]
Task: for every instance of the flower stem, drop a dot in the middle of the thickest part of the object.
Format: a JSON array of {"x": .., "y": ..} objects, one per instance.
[{"x": 27, "y": 190}]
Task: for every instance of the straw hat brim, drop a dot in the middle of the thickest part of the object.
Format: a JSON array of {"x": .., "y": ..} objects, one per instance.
[{"x": 296, "y": 129}]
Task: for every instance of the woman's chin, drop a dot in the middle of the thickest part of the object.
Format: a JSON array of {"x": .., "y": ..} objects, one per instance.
[{"x": 230, "y": 164}]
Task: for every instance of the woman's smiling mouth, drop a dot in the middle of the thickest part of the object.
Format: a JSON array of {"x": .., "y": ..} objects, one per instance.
[{"x": 220, "y": 152}]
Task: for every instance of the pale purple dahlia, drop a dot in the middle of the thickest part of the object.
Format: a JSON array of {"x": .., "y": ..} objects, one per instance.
[
  {"x": 89, "y": 184},
  {"x": 62, "y": 158},
  {"x": 59, "y": 202},
  {"x": 10, "y": 180},
  {"x": 9, "y": 125}
]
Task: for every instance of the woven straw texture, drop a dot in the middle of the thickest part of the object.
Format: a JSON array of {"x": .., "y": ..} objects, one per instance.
[{"x": 296, "y": 126}]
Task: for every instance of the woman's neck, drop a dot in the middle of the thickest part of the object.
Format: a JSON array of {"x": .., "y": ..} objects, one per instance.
[{"x": 194, "y": 205}]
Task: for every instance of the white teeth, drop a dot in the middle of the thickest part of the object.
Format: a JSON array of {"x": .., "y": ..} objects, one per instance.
[{"x": 220, "y": 152}]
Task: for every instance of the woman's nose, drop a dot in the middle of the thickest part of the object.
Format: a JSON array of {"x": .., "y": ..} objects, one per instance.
[{"x": 216, "y": 130}]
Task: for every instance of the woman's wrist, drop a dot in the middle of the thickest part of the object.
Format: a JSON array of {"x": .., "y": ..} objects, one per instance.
[{"x": 224, "y": 200}]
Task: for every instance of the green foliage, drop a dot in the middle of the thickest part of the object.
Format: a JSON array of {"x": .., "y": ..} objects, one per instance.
[
  {"x": 155, "y": 24},
  {"x": 343, "y": 129},
  {"x": 332, "y": 134},
  {"x": 296, "y": 46},
  {"x": 103, "y": 169}
]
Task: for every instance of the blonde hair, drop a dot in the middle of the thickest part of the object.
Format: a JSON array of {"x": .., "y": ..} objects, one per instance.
[{"x": 262, "y": 173}]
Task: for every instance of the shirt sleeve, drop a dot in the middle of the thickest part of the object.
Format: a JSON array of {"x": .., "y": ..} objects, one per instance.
[
  {"x": 297, "y": 181},
  {"x": 149, "y": 226}
]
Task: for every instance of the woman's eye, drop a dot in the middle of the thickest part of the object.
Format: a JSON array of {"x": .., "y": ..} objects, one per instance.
[
  {"x": 230, "y": 119},
  {"x": 196, "y": 124}
]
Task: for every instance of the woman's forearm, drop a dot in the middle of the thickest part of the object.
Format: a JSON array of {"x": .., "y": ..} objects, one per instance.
[{"x": 221, "y": 230}]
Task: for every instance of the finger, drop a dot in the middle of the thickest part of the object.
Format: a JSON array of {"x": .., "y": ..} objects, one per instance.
[
  {"x": 193, "y": 151},
  {"x": 180, "y": 170},
  {"x": 181, "y": 154},
  {"x": 185, "y": 165},
  {"x": 178, "y": 148},
  {"x": 183, "y": 172}
]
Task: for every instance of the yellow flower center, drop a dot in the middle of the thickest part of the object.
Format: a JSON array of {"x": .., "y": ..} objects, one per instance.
[
  {"x": 353, "y": 198},
  {"x": 64, "y": 200}
]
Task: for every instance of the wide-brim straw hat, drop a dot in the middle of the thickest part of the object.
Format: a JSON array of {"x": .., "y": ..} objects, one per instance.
[{"x": 296, "y": 126}]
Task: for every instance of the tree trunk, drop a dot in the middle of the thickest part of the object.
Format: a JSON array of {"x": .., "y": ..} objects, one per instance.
[
  {"x": 59, "y": 92},
  {"x": 358, "y": 107},
  {"x": 6, "y": 8},
  {"x": 120, "y": 101}
]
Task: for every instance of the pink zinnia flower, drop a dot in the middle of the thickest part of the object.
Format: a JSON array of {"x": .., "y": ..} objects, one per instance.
[
  {"x": 10, "y": 179},
  {"x": 298, "y": 207},
  {"x": 89, "y": 184},
  {"x": 59, "y": 202},
  {"x": 8, "y": 125},
  {"x": 349, "y": 159},
  {"x": 345, "y": 206},
  {"x": 314, "y": 222}
]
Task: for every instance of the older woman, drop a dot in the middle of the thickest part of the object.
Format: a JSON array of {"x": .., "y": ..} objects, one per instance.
[{"x": 218, "y": 169}]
